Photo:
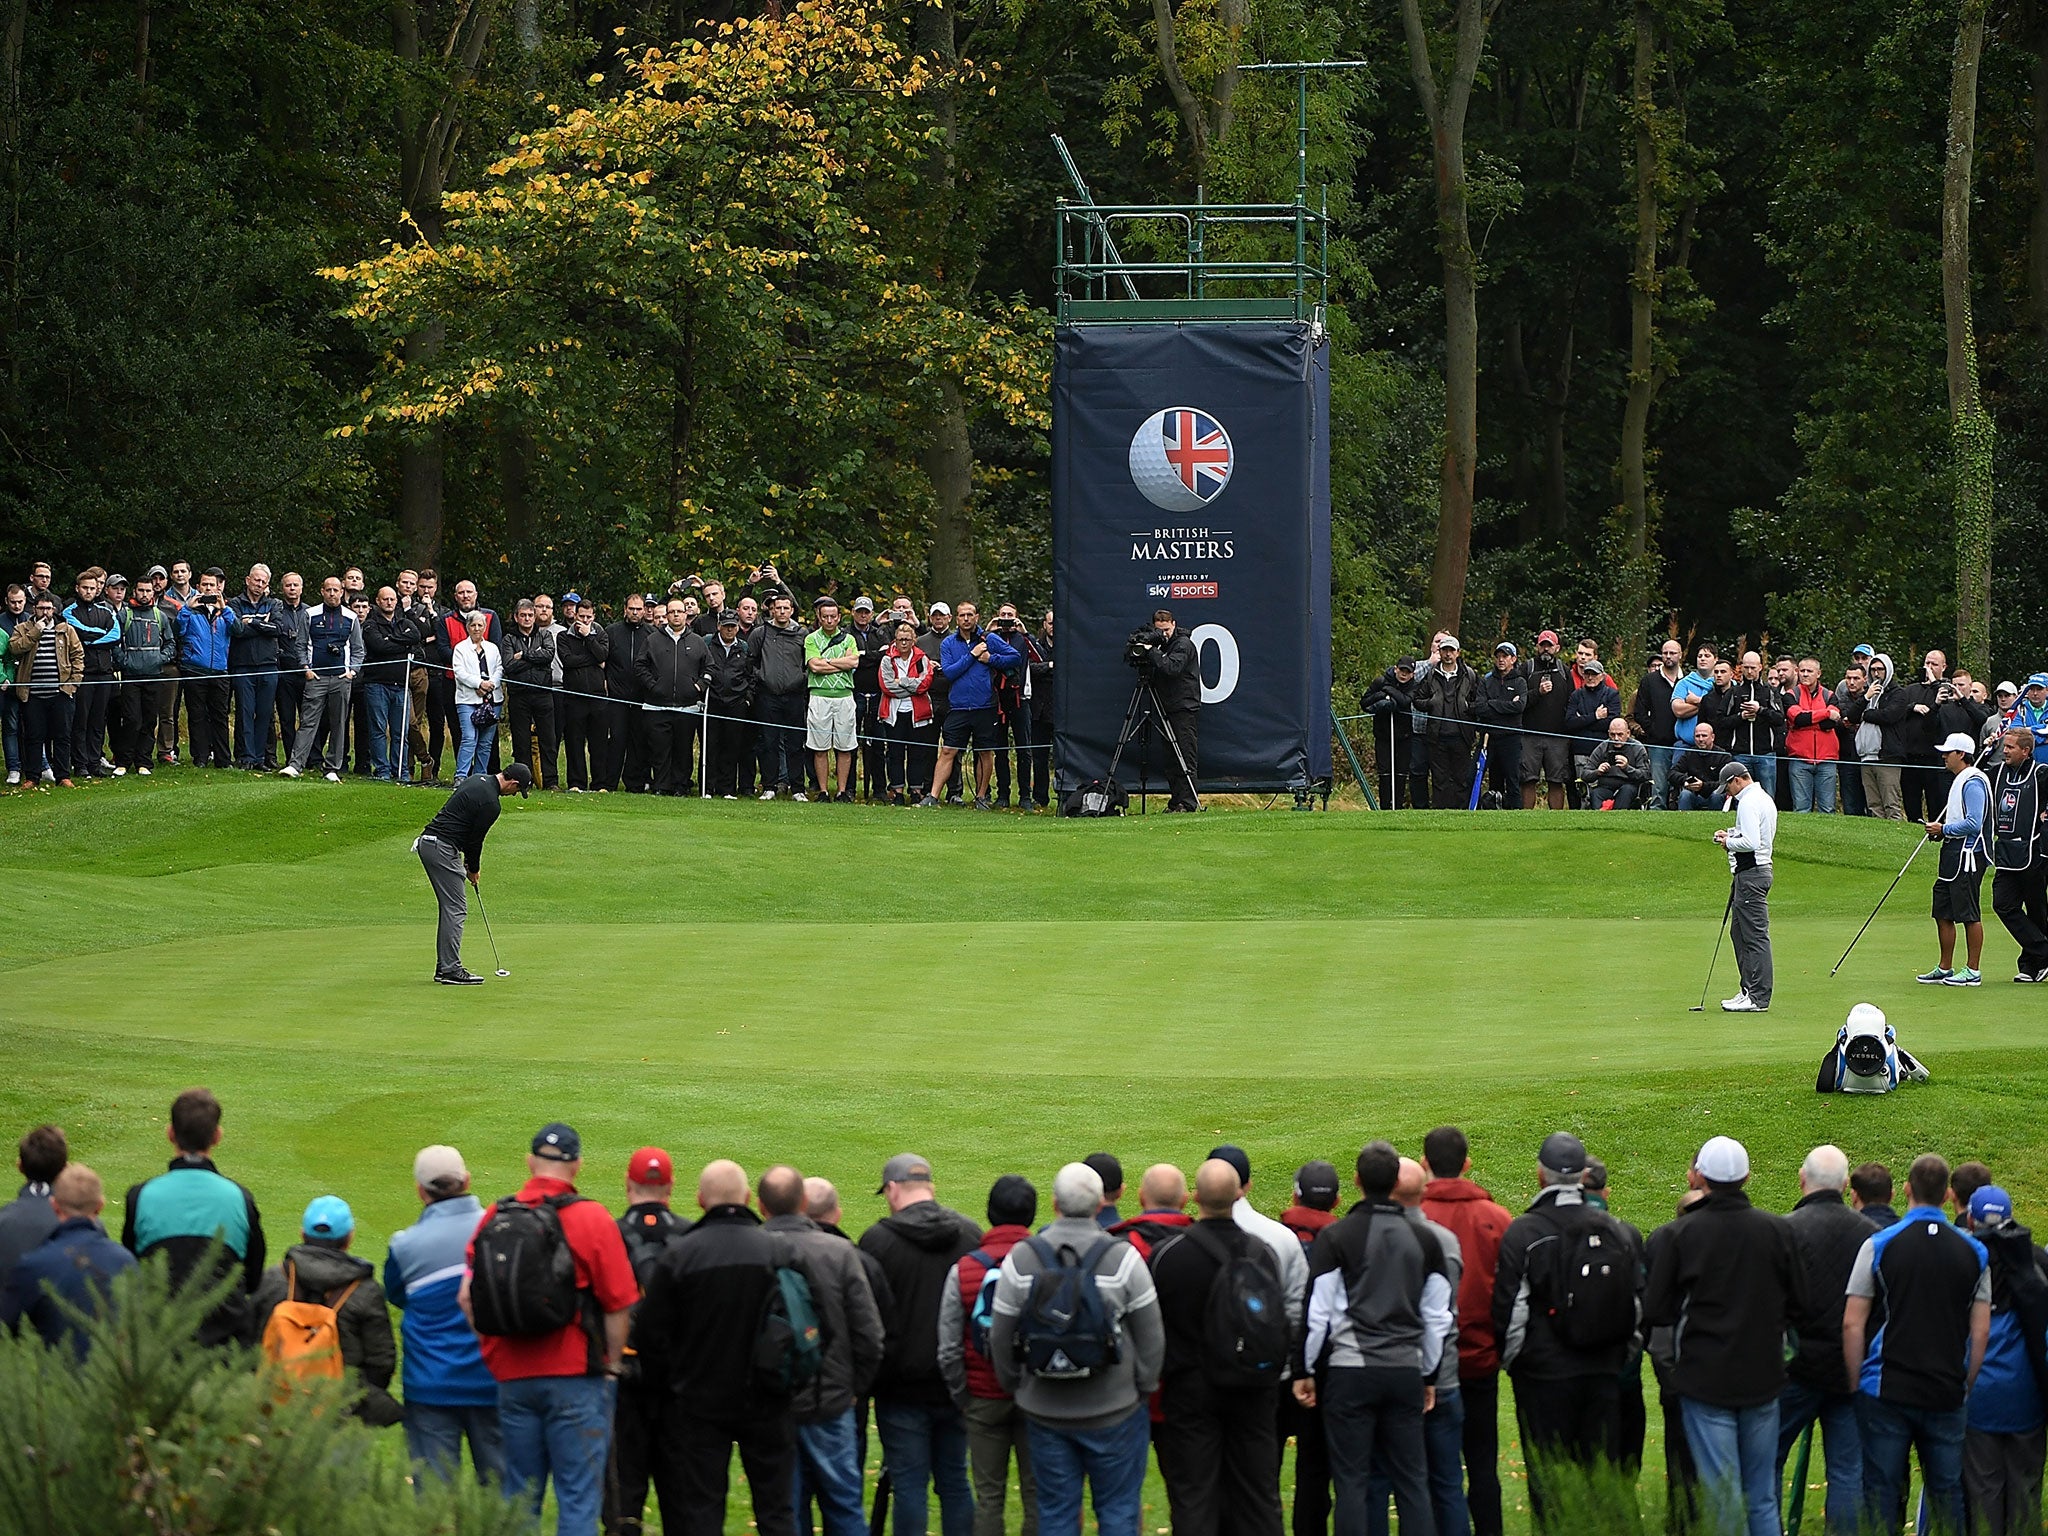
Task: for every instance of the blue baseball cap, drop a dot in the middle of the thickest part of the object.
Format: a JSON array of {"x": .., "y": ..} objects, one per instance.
[
  {"x": 558, "y": 1142},
  {"x": 1990, "y": 1205},
  {"x": 329, "y": 1217},
  {"x": 572, "y": 598},
  {"x": 2038, "y": 680},
  {"x": 1864, "y": 650}
]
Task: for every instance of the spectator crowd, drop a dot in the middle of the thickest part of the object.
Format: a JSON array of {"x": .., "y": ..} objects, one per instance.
[
  {"x": 676, "y": 694},
  {"x": 622, "y": 1357},
  {"x": 1554, "y": 729}
]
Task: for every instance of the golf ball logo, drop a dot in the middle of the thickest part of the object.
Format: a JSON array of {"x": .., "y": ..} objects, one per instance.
[{"x": 1181, "y": 459}]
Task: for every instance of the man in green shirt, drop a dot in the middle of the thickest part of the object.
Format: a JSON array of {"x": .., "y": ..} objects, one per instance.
[{"x": 830, "y": 656}]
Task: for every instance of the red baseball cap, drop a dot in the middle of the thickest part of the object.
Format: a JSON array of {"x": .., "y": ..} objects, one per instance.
[
  {"x": 1548, "y": 636},
  {"x": 651, "y": 1165}
]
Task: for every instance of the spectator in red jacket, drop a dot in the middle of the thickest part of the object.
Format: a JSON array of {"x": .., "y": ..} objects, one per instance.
[
  {"x": 1162, "y": 1210},
  {"x": 1316, "y": 1188},
  {"x": 994, "y": 1427},
  {"x": 1452, "y": 1200},
  {"x": 1812, "y": 741},
  {"x": 1315, "y": 1202}
]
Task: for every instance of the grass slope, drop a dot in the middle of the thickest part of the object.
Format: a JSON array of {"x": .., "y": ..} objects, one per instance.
[{"x": 829, "y": 985}]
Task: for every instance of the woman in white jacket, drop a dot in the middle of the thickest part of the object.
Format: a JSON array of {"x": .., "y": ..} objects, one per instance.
[{"x": 479, "y": 681}]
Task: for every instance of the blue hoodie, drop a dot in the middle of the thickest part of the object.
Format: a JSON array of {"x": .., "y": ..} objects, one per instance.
[
  {"x": 203, "y": 642},
  {"x": 423, "y": 1273},
  {"x": 1694, "y": 686},
  {"x": 971, "y": 680}
]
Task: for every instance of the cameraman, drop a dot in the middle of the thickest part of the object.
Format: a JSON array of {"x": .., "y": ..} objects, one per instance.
[{"x": 1176, "y": 678}]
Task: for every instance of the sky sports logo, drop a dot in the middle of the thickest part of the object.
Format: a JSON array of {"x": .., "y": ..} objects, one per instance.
[{"x": 1183, "y": 590}]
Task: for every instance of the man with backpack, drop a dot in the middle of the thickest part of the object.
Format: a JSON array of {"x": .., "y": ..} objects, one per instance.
[
  {"x": 924, "y": 1439},
  {"x": 450, "y": 1395},
  {"x": 1565, "y": 1309},
  {"x": 1379, "y": 1314},
  {"x": 1077, "y": 1338},
  {"x": 828, "y": 1443},
  {"x": 648, "y": 1228},
  {"x": 1729, "y": 1282},
  {"x": 192, "y": 1212},
  {"x": 704, "y": 1336},
  {"x": 321, "y": 1314},
  {"x": 995, "y": 1429},
  {"x": 1226, "y": 1344},
  {"x": 2005, "y": 1443},
  {"x": 550, "y": 1292}
]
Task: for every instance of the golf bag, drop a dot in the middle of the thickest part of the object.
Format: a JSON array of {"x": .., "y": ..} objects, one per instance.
[{"x": 1867, "y": 1057}]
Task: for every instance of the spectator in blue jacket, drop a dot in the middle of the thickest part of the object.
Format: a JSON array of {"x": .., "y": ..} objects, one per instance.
[
  {"x": 970, "y": 657},
  {"x": 2007, "y": 1437},
  {"x": 206, "y": 631},
  {"x": 263, "y": 644},
  {"x": 77, "y": 1263},
  {"x": 449, "y": 1393}
]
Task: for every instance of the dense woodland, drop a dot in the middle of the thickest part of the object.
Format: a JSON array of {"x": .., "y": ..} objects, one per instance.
[{"x": 594, "y": 294}]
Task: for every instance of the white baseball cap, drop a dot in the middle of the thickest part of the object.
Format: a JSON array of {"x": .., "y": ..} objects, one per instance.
[
  {"x": 1723, "y": 1160},
  {"x": 1959, "y": 742}
]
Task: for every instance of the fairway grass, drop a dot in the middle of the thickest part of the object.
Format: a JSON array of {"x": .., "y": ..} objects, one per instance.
[{"x": 829, "y": 985}]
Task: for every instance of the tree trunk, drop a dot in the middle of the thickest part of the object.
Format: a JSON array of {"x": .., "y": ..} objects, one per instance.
[
  {"x": 1444, "y": 112},
  {"x": 948, "y": 461},
  {"x": 1971, "y": 428},
  {"x": 1557, "y": 509},
  {"x": 948, "y": 454},
  {"x": 1642, "y": 297},
  {"x": 2037, "y": 245}
]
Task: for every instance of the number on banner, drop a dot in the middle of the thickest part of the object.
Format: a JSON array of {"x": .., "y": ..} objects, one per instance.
[{"x": 1226, "y": 661}]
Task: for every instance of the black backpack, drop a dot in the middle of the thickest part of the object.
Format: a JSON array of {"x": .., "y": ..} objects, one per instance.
[
  {"x": 1593, "y": 1287},
  {"x": 1098, "y": 797},
  {"x": 523, "y": 1276},
  {"x": 1065, "y": 1332},
  {"x": 1245, "y": 1336}
]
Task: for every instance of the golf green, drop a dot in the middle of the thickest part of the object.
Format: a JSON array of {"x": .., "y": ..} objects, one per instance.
[{"x": 827, "y": 985}]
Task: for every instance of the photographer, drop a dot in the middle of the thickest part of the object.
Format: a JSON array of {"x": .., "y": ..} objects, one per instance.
[
  {"x": 728, "y": 730},
  {"x": 1444, "y": 697},
  {"x": 968, "y": 659},
  {"x": 1013, "y": 707},
  {"x": 205, "y": 629},
  {"x": 1546, "y": 754},
  {"x": 1176, "y": 678},
  {"x": 583, "y": 649},
  {"x": 1617, "y": 771}
]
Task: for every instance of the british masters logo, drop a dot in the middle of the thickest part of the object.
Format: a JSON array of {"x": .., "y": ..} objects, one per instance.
[{"x": 1181, "y": 459}]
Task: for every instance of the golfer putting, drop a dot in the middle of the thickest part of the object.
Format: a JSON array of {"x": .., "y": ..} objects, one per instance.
[
  {"x": 1748, "y": 844},
  {"x": 1958, "y": 880},
  {"x": 452, "y": 849}
]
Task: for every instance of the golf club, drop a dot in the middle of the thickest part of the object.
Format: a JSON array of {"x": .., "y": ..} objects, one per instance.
[
  {"x": 487, "y": 929},
  {"x": 1975, "y": 762},
  {"x": 1708, "y": 985}
]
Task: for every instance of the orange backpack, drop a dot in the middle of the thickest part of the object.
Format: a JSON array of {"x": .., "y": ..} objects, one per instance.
[{"x": 303, "y": 1338}]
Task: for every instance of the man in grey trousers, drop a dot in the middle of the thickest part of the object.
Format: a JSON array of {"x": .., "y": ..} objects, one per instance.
[
  {"x": 1748, "y": 844},
  {"x": 452, "y": 849}
]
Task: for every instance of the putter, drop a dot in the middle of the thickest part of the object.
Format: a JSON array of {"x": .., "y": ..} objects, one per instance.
[
  {"x": 1708, "y": 985},
  {"x": 487, "y": 929}
]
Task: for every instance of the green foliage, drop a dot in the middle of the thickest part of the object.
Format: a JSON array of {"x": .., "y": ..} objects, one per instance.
[{"x": 155, "y": 1434}]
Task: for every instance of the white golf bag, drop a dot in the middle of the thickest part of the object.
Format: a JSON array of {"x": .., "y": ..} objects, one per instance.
[{"x": 1867, "y": 1057}]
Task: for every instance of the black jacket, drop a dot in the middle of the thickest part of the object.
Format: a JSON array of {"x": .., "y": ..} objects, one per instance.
[
  {"x": 583, "y": 659},
  {"x": 1828, "y": 1235},
  {"x": 1761, "y": 737},
  {"x": 1902, "y": 723},
  {"x": 1546, "y": 710},
  {"x": 1960, "y": 715},
  {"x": 1580, "y": 718},
  {"x": 1177, "y": 674},
  {"x": 916, "y": 1249},
  {"x": 730, "y": 675},
  {"x": 1699, "y": 763},
  {"x": 432, "y": 619},
  {"x": 1730, "y": 1281},
  {"x": 1500, "y": 700},
  {"x": 1652, "y": 709},
  {"x": 1183, "y": 1270},
  {"x": 1447, "y": 699},
  {"x": 1041, "y": 684},
  {"x": 387, "y": 644},
  {"x": 672, "y": 668},
  {"x": 867, "y": 676},
  {"x": 696, "y": 1325},
  {"x": 1390, "y": 696},
  {"x": 529, "y": 659},
  {"x": 165, "y": 1215},
  {"x": 847, "y": 1313},
  {"x": 621, "y": 669},
  {"x": 1525, "y": 1282}
]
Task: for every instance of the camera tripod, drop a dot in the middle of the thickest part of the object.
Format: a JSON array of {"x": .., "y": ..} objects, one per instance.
[{"x": 1143, "y": 716}]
